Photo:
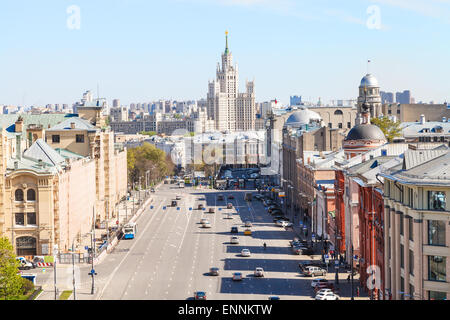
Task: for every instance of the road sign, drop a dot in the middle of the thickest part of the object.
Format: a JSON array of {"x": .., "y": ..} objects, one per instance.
[
  {"x": 86, "y": 248},
  {"x": 336, "y": 263},
  {"x": 164, "y": 208},
  {"x": 178, "y": 208},
  {"x": 190, "y": 209},
  {"x": 151, "y": 207},
  {"x": 301, "y": 223},
  {"x": 313, "y": 237}
]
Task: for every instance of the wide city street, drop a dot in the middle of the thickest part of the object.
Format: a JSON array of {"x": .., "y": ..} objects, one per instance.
[{"x": 171, "y": 255}]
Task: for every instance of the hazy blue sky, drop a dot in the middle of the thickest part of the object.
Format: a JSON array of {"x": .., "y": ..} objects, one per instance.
[{"x": 143, "y": 50}]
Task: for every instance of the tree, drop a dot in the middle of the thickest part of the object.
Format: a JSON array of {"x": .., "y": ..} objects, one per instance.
[
  {"x": 149, "y": 133},
  {"x": 391, "y": 129},
  {"x": 11, "y": 283},
  {"x": 145, "y": 158}
]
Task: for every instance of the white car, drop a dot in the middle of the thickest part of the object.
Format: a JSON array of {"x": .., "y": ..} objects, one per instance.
[
  {"x": 327, "y": 296},
  {"x": 325, "y": 290},
  {"x": 316, "y": 281},
  {"x": 282, "y": 223},
  {"x": 206, "y": 224},
  {"x": 248, "y": 224},
  {"x": 245, "y": 253},
  {"x": 203, "y": 220},
  {"x": 259, "y": 272},
  {"x": 229, "y": 216},
  {"x": 234, "y": 240}
]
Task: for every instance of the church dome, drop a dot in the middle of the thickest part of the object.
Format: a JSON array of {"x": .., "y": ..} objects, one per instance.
[
  {"x": 369, "y": 81},
  {"x": 302, "y": 117},
  {"x": 365, "y": 132}
]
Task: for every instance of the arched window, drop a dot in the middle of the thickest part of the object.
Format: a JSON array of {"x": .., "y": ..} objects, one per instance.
[
  {"x": 338, "y": 112},
  {"x": 19, "y": 195},
  {"x": 31, "y": 195}
]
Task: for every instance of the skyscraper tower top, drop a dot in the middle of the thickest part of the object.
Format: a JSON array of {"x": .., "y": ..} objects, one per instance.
[{"x": 226, "y": 42}]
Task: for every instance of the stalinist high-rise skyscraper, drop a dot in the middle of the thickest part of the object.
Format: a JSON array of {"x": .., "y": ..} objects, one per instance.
[{"x": 230, "y": 110}]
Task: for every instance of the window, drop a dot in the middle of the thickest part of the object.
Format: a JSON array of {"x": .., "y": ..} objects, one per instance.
[
  {"x": 411, "y": 228},
  {"x": 401, "y": 225},
  {"x": 338, "y": 112},
  {"x": 31, "y": 218},
  {"x": 330, "y": 125},
  {"x": 80, "y": 138},
  {"x": 402, "y": 256},
  {"x": 340, "y": 125},
  {"x": 55, "y": 138},
  {"x": 20, "y": 219},
  {"x": 31, "y": 195},
  {"x": 411, "y": 262},
  {"x": 434, "y": 295},
  {"x": 436, "y": 268},
  {"x": 349, "y": 125},
  {"x": 436, "y": 200},
  {"x": 436, "y": 233},
  {"x": 19, "y": 195}
]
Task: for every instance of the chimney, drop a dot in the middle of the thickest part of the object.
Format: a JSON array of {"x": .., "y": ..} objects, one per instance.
[
  {"x": 72, "y": 125},
  {"x": 422, "y": 119},
  {"x": 19, "y": 125}
]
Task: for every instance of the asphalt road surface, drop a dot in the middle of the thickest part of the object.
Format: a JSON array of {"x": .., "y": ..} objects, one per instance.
[{"x": 171, "y": 254}]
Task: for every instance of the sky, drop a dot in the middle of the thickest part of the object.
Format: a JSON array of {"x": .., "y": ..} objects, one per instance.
[{"x": 51, "y": 51}]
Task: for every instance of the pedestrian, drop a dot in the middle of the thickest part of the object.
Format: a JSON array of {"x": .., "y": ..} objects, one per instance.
[
  {"x": 357, "y": 291},
  {"x": 348, "y": 279}
]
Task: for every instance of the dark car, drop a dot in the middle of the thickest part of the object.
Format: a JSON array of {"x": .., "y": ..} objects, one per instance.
[
  {"x": 234, "y": 230},
  {"x": 200, "y": 295},
  {"x": 276, "y": 212},
  {"x": 200, "y": 207},
  {"x": 214, "y": 271},
  {"x": 220, "y": 197},
  {"x": 152, "y": 190},
  {"x": 230, "y": 196},
  {"x": 272, "y": 208},
  {"x": 174, "y": 203},
  {"x": 276, "y": 218}
]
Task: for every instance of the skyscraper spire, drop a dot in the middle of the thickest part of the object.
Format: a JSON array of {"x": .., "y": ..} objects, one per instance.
[{"x": 226, "y": 42}]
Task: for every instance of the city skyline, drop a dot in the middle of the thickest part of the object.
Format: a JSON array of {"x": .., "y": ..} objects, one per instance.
[{"x": 135, "y": 52}]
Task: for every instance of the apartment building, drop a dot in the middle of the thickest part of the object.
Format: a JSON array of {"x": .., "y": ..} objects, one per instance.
[{"x": 417, "y": 226}]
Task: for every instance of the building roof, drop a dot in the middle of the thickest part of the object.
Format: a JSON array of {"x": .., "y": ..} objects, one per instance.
[
  {"x": 365, "y": 132},
  {"x": 421, "y": 167},
  {"x": 40, "y": 150},
  {"x": 302, "y": 117},
  {"x": 369, "y": 81},
  {"x": 80, "y": 124},
  {"x": 416, "y": 129},
  {"x": 7, "y": 121}
]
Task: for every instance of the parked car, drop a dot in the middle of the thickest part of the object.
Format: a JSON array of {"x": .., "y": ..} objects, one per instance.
[
  {"x": 200, "y": 295},
  {"x": 152, "y": 190},
  {"x": 323, "y": 285},
  {"x": 248, "y": 224},
  {"x": 214, "y": 271},
  {"x": 327, "y": 296},
  {"x": 211, "y": 210},
  {"x": 234, "y": 240},
  {"x": 234, "y": 230},
  {"x": 318, "y": 281},
  {"x": 178, "y": 197},
  {"x": 200, "y": 206},
  {"x": 203, "y": 220},
  {"x": 220, "y": 197},
  {"x": 274, "y": 298},
  {"x": 314, "y": 271},
  {"x": 229, "y": 216},
  {"x": 229, "y": 206},
  {"x": 245, "y": 253},
  {"x": 276, "y": 218},
  {"x": 324, "y": 290},
  {"x": 259, "y": 272},
  {"x": 174, "y": 203},
  {"x": 230, "y": 196},
  {"x": 237, "y": 276}
]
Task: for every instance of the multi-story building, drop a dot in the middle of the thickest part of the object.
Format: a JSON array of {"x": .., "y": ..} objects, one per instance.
[
  {"x": 342, "y": 117},
  {"x": 59, "y": 175},
  {"x": 413, "y": 112},
  {"x": 403, "y": 97},
  {"x": 231, "y": 110},
  {"x": 119, "y": 114},
  {"x": 387, "y": 97},
  {"x": 417, "y": 226}
]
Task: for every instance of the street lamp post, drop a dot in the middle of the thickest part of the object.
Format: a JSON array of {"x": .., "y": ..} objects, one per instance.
[{"x": 92, "y": 249}]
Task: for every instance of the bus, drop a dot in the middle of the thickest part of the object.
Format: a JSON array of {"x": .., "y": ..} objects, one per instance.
[{"x": 129, "y": 230}]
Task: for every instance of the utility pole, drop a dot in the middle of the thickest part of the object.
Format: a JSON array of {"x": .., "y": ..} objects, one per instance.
[
  {"x": 55, "y": 251},
  {"x": 92, "y": 249},
  {"x": 73, "y": 271}
]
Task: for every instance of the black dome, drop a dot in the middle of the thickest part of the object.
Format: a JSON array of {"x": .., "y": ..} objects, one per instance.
[{"x": 365, "y": 132}]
